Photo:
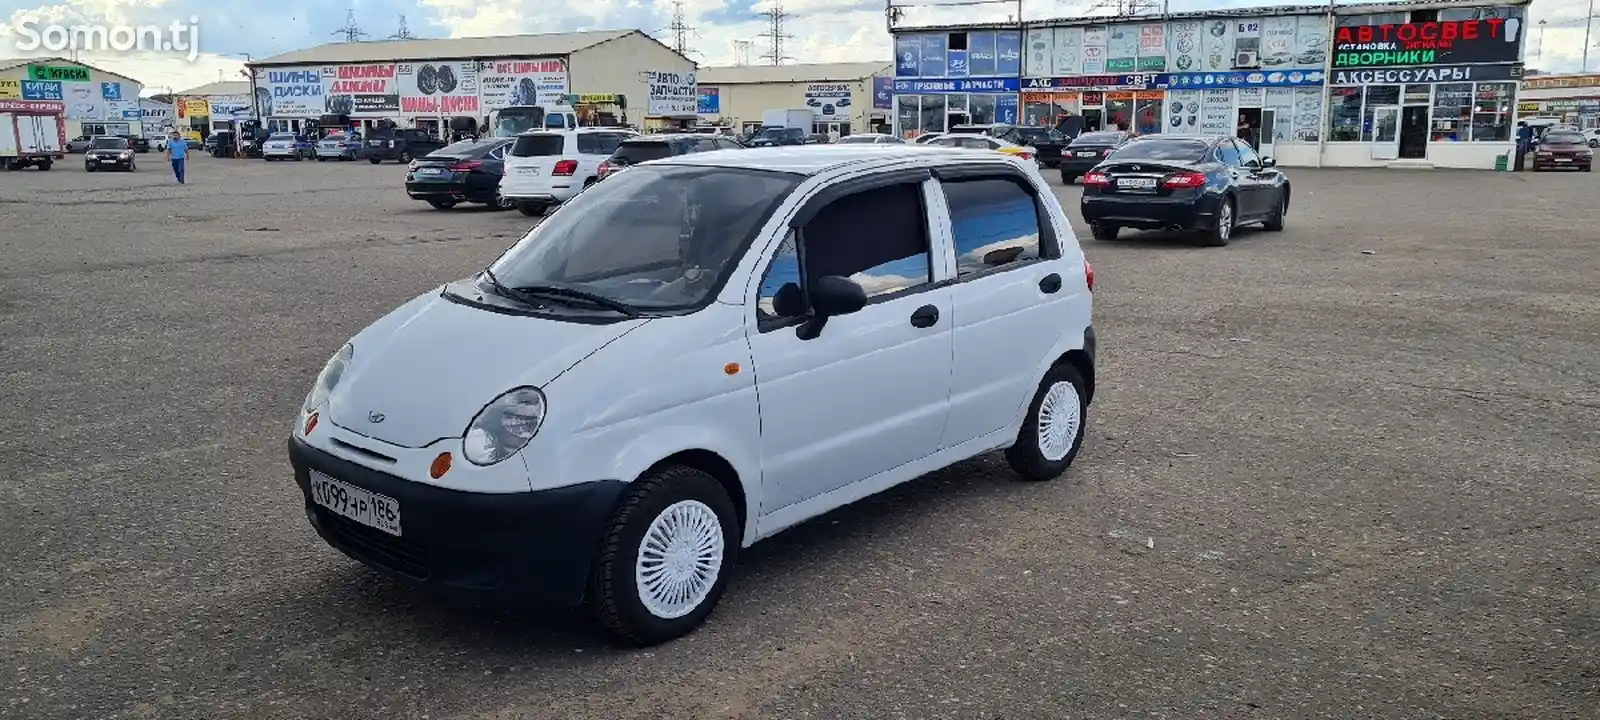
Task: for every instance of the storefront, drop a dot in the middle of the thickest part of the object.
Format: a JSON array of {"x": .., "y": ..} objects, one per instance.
[
  {"x": 949, "y": 78},
  {"x": 1435, "y": 93},
  {"x": 1570, "y": 99}
]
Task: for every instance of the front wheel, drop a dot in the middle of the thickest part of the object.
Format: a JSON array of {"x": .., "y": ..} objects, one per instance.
[
  {"x": 374, "y": 161},
  {"x": 1053, "y": 431},
  {"x": 666, "y": 556},
  {"x": 531, "y": 209},
  {"x": 1274, "y": 222}
]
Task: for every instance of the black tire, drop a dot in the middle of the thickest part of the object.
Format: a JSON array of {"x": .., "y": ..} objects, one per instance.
[
  {"x": 45, "y": 166},
  {"x": 374, "y": 161},
  {"x": 1104, "y": 232},
  {"x": 613, "y": 593},
  {"x": 88, "y": 167},
  {"x": 1025, "y": 455},
  {"x": 531, "y": 209},
  {"x": 442, "y": 204},
  {"x": 1220, "y": 233},
  {"x": 1274, "y": 222},
  {"x": 1068, "y": 178},
  {"x": 321, "y": 159}
]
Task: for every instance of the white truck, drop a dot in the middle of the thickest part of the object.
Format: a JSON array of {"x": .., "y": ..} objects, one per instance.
[
  {"x": 791, "y": 118},
  {"x": 33, "y": 133}
]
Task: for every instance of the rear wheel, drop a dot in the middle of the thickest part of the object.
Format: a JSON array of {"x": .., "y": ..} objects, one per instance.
[
  {"x": 1067, "y": 178},
  {"x": 1219, "y": 234},
  {"x": 1053, "y": 431},
  {"x": 531, "y": 209},
  {"x": 374, "y": 161},
  {"x": 440, "y": 204},
  {"x": 1104, "y": 232},
  {"x": 1274, "y": 222}
]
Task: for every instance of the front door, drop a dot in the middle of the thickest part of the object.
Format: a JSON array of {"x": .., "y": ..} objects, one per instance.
[
  {"x": 1269, "y": 129},
  {"x": 1386, "y": 132},
  {"x": 1414, "y": 132},
  {"x": 871, "y": 391}
]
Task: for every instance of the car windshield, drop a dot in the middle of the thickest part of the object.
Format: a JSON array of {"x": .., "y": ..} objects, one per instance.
[
  {"x": 1160, "y": 149},
  {"x": 1563, "y": 138},
  {"x": 282, "y": 136},
  {"x": 1037, "y": 134},
  {"x": 655, "y": 237},
  {"x": 466, "y": 148},
  {"x": 1098, "y": 138},
  {"x": 109, "y": 143}
]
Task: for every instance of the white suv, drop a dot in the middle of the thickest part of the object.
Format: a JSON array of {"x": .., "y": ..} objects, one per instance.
[
  {"x": 548, "y": 167},
  {"x": 692, "y": 356}
]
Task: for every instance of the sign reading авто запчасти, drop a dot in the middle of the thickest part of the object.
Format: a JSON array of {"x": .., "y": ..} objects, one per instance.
[
  {"x": 1444, "y": 73},
  {"x": 1444, "y": 42}
]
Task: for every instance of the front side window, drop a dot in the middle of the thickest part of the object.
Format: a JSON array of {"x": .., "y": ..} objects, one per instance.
[
  {"x": 656, "y": 237},
  {"x": 1228, "y": 154},
  {"x": 994, "y": 221},
  {"x": 1247, "y": 155},
  {"x": 108, "y": 143}
]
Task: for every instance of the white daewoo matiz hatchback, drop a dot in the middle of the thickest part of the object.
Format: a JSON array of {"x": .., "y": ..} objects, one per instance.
[{"x": 692, "y": 356}]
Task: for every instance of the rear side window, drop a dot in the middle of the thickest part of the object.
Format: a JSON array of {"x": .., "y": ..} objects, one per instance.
[
  {"x": 995, "y": 222},
  {"x": 539, "y": 145},
  {"x": 599, "y": 143},
  {"x": 635, "y": 152}
]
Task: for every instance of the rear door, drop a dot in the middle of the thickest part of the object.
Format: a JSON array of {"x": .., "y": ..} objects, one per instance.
[{"x": 593, "y": 149}]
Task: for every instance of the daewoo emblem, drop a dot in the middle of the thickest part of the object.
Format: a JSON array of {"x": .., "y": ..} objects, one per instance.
[{"x": 375, "y": 417}]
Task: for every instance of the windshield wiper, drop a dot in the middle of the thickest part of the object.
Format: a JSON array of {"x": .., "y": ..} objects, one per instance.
[{"x": 561, "y": 292}]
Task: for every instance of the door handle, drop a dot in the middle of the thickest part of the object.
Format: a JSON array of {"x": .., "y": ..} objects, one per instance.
[
  {"x": 1050, "y": 283},
  {"x": 925, "y": 316}
]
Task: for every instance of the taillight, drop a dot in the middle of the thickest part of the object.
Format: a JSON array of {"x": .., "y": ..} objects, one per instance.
[
  {"x": 1088, "y": 274},
  {"x": 604, "y": 168},
  {"x": 1185, "y": 180},
  {"x": 1096, "y": 178},
  {"x": 1025, "y": 155},
  {"x": 466, "y": 166},
  {"x": 566, "y": 168}
]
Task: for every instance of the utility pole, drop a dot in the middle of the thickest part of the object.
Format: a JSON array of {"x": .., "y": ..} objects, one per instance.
[
  {"x": 350, "y": 31},
  {"x": 741, "y": 51},
  {"x": 1129, "y": 8},
  {"x": 1588, "y": 24},
  {"x": 775, "y": 34},
  {"x": 680, "y": 30},
  {"x": 404, "y": 33}
]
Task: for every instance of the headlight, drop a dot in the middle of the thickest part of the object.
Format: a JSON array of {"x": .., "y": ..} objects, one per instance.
[
  {"x": 504, "y": 426},
  {"x": 328, "y": 379}
]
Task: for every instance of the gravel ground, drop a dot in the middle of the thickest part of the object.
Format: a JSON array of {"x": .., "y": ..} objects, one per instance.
[{"x": 1344, "y": 471}]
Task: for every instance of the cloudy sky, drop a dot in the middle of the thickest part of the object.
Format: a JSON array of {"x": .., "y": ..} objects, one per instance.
[{"x": 823, "y": 30}]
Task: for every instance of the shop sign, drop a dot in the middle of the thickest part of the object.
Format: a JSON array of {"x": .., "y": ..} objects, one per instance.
[
  {"x": 506, "y": 83},
  {"x": 10, "y": 90},
  {"x": 360, "y": 90},
  {"x": 437, "y": 88},
  {"x": 32, "y": 106},
  {"x": 1134, "y": 81},
  {"x": 1543, "y": 82},
  {"x": 928, "y": 54},
  {"x": 194, "y": 107},
  {"x": 598, "y": 99},
  {"x": 1528, "y": 107},
  {"x": 710, "y": 101},
  {"x": 671, "y": 93},
  {"x": 58, "y": 73},
  {"x": 929, "y": 86},
  {"x": 1275, "y": 78},
  {"x": 1489, "y": 40},
  {"x": 41, "y": 90},
  {"x": 290, "y": 93},
  {"x": 883, "y": 92},
  {"x": 1445, "y": 73},
  {"x": 828, "y": 101}
]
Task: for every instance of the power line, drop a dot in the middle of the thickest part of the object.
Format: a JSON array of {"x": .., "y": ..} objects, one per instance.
[
  {"x": 775, "y": 34},
  {"x": 350, "y": 31},
  {"x": 404, "y": 33},
  {"x": 1130, "y": 8},
  {"x": 741, "y": 51},
  {"x": 680, "y": 30}
]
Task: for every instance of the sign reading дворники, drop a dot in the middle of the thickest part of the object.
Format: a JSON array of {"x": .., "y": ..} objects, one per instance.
[{"x": 177, "y": 37}]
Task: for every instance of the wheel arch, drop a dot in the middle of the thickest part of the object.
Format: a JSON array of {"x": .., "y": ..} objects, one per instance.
[
  {"x": 720, "y": 469},
  {"x": 1082, "y": 361},
  {"x": 1286, "y": 196}
]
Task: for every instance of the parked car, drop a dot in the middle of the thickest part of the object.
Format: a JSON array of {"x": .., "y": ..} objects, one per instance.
[
  {"x": 1087, "y": 150},
  {"x": 645, "y": 148},
  {"x": 1047, "y": 142},
  {"x": 467, "y": 171},
  {"x": 547, "y": 167},
  {"x": 1592, "y": 136},
  {"x": 1205, "y": 185},
  {"x": 79, "y": 144},
  {"x": 402, "y": 144},
  {"x": 870, "y": 139},
  {"x": 484, "y": 438},
  {"x": 109, "y": 152},
  {"x": 971, "y": 129},
  {"x": 984, "y": 142},
  {"x": 1562, "y": 149},
  {"x": 339, "y": 146},
  {"x": 774, "y": 136},
  {"x": 926, "y": 138},
  {"x": 209, "y": 145},
  {"x": 139, "y": 144},
  {"x": 287, "y": 146}
]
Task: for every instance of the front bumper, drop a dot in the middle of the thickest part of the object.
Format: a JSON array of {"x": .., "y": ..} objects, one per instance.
[
  {"x": 1150, "y": 213},
  {"x": 107, "y": 162},
  {"x": 1551, "y": 163},
  {"x": 534, "y": 191},
  {"x": 519, "y": 548},
  {"x": 336, "y": 154}
]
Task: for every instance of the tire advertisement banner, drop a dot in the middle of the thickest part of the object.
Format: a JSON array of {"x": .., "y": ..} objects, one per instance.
[
  {"x": 290, "y": 92},
  {"x": 533, "y": 81},
  {"x": 828, "y": 101},
  {"x": 441, "y": 89},
  {"x": 360, "y": 90}
]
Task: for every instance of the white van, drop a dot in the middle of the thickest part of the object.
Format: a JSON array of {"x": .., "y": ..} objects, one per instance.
[
  {"x": 547, "y": 167},
  {"x": 692, "y": 356}
]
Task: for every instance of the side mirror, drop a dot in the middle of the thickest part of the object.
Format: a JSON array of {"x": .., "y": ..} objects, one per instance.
[
  {"x": 1267, "y": 162},
  {"x": 831, "y": 296}
]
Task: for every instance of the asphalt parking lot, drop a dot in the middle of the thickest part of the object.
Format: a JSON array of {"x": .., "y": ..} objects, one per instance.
[{"x": 1344, "y": 471}]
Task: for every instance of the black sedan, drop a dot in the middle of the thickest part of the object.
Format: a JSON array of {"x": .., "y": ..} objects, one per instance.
[
  {"x": 109, "y": 152},
  {"x": 467, "y": 171},
  {"x": 1206, "y": 185},
  {"x": 139, "y": 144},
  {"x": 1048, "y": 141},
  {"x": 1087, "y": 150}
]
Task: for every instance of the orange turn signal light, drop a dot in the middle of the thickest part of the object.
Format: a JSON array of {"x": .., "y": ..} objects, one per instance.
[
  {"x": 311, "y": 423},
  {"x": 440, "y": 466},
  {"x": 731, "y": 368}
]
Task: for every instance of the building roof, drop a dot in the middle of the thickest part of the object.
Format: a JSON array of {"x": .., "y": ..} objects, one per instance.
[
  {"x": 1253, "y": 11},
  {"x": 812, "y": 72},
  {"x": 221, "y": 87},
  {"x": 8, "y": 63},
  {"x": 466, "y": 48}
]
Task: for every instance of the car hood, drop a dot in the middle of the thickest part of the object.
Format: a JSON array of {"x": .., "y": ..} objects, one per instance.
[{"x": 422, "y": 372}]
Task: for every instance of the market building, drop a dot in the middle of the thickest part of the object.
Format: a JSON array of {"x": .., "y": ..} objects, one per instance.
[
  {"x": 844, "y": 98},
  {"x": 98, "y": 102},
  {"x": 621, "y": 75},
  {"x": 1570, "y": 99},
  {"x": 1382, "y": 84},
  {"x": 211, "y": 106}
]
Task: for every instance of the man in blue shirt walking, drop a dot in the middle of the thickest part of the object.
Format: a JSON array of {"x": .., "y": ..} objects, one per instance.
[{"x": 178, "y": 153}]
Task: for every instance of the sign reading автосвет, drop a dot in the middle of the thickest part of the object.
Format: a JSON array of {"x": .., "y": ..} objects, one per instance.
[{"x": 1447, "y": 42}]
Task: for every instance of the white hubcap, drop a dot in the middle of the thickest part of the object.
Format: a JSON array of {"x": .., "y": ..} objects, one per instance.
[
  {"x": 1225, "y": 221},
  {"x": 1059, "y": 418},
  {"x": 680, "y": 558}
]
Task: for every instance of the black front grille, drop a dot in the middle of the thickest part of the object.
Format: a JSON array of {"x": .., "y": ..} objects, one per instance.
[{"x": 373, "y": 545}]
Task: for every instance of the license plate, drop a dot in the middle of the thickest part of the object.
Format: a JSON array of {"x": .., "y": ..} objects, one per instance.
[
  {"x": 1088, "y": 153},
  {"x": 527, "y": 171},
  {"x": 110, "y": 160},
  {"x": 363, "y": 506},
  {"x": 429, "y": 171},
  {"x": 1563, "y": 159},
  {"x": 376, "y": 143},
  {"x": 1136, "y": 183}
]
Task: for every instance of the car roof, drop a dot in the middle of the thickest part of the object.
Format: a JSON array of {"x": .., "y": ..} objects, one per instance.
[
  {"x": 573, "y": 131},
  {"x": 667, "y": 137},
  {"x": 817, "y": 159}
]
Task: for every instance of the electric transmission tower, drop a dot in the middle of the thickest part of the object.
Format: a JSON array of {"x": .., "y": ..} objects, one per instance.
[
  {"x": 775, "y": 34},
  {"x": 1129, "y": 8},
  {"x": 741, "y": 51},
  {"x": 680, "y": 30},
  {"x": 404, "y": 33},
  {"x": 350, "y": 31}
]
